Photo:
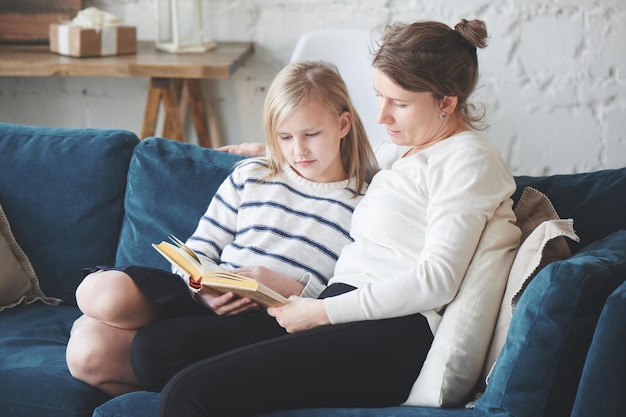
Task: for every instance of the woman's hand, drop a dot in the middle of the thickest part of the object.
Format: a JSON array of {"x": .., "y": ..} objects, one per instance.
[
  {"x": 227, "y": 304},
  {"x": 246, "y": 149},
  {"x": 282, "y": 284},
  {"x": 300, "y": 314}
]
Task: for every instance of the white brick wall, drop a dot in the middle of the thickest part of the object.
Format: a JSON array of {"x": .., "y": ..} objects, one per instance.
[{"x": 553, "y": 76}]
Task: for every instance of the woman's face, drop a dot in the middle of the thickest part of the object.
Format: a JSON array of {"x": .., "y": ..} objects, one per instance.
[
  {"x": 411, "y": 118},
  {"x": 310, "y": 139}
]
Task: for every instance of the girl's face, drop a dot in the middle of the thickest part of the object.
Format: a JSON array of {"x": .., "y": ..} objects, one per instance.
[
  {"x": 411, "y": 118},
  {"x": 309, "y": 140}
]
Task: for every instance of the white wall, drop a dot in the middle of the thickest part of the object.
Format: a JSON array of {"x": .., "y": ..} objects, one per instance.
[{"x": 553, "y": 76}]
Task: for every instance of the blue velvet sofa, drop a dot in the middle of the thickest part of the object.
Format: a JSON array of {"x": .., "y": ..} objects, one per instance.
[{"x": 84, "y": 197}]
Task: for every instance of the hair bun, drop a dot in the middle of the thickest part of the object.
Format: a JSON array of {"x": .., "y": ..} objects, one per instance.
[{"x": 473, "y": 31}]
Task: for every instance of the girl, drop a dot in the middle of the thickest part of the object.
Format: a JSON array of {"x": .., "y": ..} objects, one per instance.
[{"x": 281, "y": 220}]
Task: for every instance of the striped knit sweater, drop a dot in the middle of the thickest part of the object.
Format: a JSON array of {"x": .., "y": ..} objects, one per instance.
[{"x": 285, "y": 223}]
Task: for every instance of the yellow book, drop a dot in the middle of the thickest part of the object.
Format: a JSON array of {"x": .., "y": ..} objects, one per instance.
[{"x": 212, "y": 278}]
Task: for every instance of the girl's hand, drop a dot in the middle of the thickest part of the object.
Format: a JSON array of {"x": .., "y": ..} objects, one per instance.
[
  {"x": 247, "y": 149},
  {"x": 282, "y": 284},
  {"x": 226, "y": 304},
  {"x": 300, "y": 314}
]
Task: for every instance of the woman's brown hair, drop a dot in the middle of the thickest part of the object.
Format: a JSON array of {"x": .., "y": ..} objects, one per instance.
[{"x": 432, "y": 57}]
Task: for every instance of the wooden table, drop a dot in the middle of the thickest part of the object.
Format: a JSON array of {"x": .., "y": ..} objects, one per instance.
[{"x": 174, "y": 79}]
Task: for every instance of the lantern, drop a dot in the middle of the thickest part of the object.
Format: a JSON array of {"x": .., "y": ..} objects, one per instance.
[{"x": 179, "y": 26}]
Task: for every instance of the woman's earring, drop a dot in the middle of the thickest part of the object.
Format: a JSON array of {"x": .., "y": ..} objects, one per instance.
[{"x": 443, "y": 116}]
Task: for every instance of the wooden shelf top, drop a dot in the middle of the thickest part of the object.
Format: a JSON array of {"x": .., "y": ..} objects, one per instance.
[{"x": 38, "y": 61}]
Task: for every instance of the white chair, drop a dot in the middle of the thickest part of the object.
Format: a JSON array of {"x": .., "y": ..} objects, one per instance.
[{"x": 350, "y": 50}]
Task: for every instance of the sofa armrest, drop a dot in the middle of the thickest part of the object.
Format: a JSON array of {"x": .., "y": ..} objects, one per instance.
[
  {"x": 603, "y": 382},
  {"x": 538, "y": 370}
]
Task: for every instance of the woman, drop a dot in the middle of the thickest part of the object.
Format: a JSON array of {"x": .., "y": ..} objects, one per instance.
[{"x": 363, "y": 342}]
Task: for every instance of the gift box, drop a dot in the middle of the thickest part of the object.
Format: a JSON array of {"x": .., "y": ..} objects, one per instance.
[{"x": 73, "y": 40}]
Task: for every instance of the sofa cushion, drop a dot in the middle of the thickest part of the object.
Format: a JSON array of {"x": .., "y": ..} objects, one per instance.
[
  {"x": 163, "y": 171},
  {"x": 145, "y": 404},
  {"x": 62, "y": 191},
  {"x": 603, "y": 382},
  {"x": 595, "y": 200},
  {"x": 18, "y": 281},
  {"x": 33, "y": 375},
  {"x": 538, "y": 370},
  {"x": 136, "y": 404}
]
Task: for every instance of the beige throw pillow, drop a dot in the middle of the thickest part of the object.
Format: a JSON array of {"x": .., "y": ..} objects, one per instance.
[
  {"x": 454, "y": 362},
  {"x": 465, "y": 336},
  {"x": 18, "y": 282}
]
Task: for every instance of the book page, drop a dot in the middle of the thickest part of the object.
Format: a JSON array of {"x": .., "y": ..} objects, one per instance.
[
  {"x": 180, "y": 259},
  {"x": 206, "y": 265}
]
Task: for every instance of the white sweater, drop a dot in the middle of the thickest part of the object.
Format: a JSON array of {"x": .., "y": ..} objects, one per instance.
[
  {"x": 285, "y": 223},
  {"x": 416, "y": 230}
]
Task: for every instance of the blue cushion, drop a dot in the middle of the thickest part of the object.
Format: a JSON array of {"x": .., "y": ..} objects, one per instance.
[
  {"x": 62, "y": 191},
  {"x": 145, "y": 404},
  {"x": 136, "y": 404},
  {"x": 170, "y": 185},
  {"x": 33, "y": 374},
  {"x": 538, "y": 370},
  {"x": 602, "y": 389},
  {"x": 595, "y": 200},
  {"x": 377, "y": 412}
]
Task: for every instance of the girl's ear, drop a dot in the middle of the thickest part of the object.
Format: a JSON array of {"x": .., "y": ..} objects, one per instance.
[
  {"x": 448, "y": 104},
  {"x": 345, "y": 123}
]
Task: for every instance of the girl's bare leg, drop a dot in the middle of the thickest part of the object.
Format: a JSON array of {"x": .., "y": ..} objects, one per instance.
[
  {"x": 113, "y": 298},
  {"x": 98, "y": 351},
  {"x": 99, "y": 355}
]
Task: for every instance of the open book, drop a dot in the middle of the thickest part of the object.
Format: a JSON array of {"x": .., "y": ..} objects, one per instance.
[{"x": 213, "y": 279}]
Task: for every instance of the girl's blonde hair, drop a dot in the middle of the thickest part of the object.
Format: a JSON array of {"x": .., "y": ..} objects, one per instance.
[{"x": 320, "y": 81}]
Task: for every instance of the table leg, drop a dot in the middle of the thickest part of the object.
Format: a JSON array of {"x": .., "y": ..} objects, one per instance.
[
  {"x": 151, "y": 112},
  {"x": 178, "y": 96},
  {"x": 198, "y": 114},
  {"x": 173, "y": 127},
  {"x": 173, "y": 87}
]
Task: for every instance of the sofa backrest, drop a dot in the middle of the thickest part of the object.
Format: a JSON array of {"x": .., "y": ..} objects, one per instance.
[
  {"x": 62, "y": 191},
  {"x": 65, "y": 194},
  {"x": 595, "y": 200}
]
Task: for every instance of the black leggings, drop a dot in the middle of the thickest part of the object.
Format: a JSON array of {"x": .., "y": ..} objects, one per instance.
[
  {"x": 169, "y": 345},
  {"x": 164, "y": 347},
  {"x": 363, "y": 364}
]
